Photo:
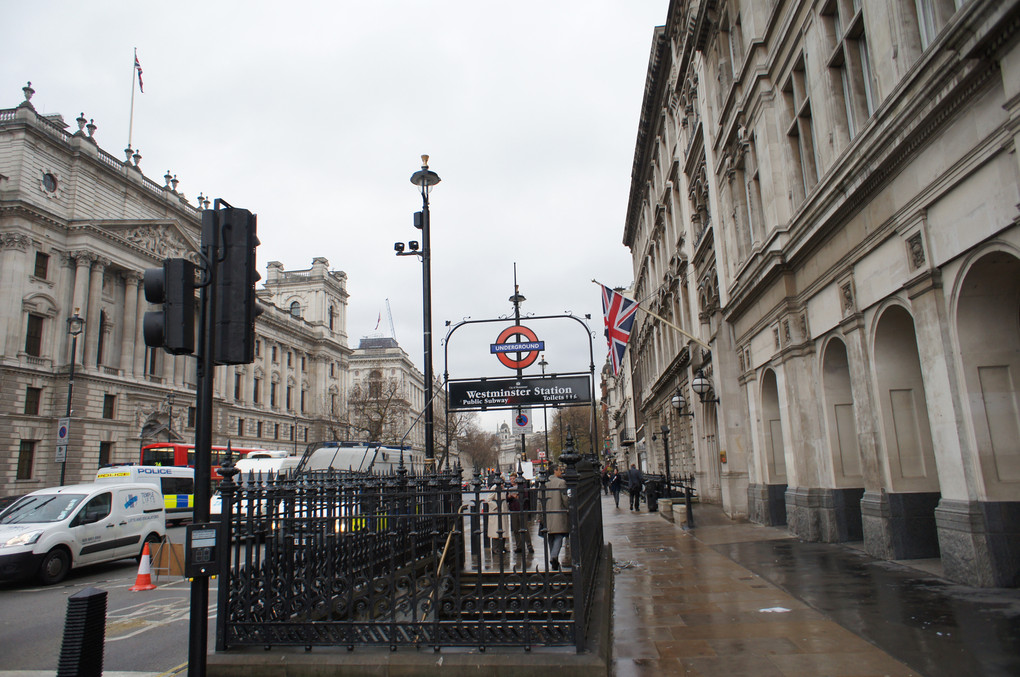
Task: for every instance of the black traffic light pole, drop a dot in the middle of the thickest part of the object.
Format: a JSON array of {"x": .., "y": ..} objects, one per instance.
[{"x": 199, "y": 613}]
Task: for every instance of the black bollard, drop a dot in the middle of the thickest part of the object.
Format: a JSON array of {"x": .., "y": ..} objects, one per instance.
[{"x": 81, "y": 652}]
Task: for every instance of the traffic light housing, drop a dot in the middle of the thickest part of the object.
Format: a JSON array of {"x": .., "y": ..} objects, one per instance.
[
  {"x": 173, "y": 288},
  {"x": 236, "y": 275}
]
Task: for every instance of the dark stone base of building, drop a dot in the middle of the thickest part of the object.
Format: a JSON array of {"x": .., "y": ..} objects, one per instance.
[
  {"x": 980, "y": 542},
  {"x": 900, "y": 526},
  {"x": 766, "y": 504},
  {"x": 826, "y": 515}
]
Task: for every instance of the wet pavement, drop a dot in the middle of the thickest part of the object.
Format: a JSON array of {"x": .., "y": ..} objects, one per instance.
[{"x": 734, "y": 598}]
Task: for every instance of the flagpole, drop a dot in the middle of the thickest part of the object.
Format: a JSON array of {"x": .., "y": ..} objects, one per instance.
[
  {"x": 661, "y": 319},
  {"x": 131, "y": 119}
]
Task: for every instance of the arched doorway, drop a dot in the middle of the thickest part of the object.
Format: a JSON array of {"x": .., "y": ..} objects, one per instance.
[
  {"x": 978, "y": 532},
  {"x": 911, "y": 478},
  {"x": 841, "y": 431},
  {"x": 775, "y": 449}
]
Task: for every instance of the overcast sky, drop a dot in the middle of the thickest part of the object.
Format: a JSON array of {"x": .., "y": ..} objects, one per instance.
[{"x": 314, "y": 115}]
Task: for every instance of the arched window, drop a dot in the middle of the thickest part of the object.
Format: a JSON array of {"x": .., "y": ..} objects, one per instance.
[{"x": 295, "y": 309}]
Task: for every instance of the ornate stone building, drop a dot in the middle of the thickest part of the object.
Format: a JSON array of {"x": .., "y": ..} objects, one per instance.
[
  {"x": 77, "y": 229},
  {"x": 389, "y": 389},
  {"x": 826, "y": 194}
]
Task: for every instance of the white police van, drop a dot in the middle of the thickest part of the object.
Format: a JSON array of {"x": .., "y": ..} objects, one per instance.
[
  {"x": 176, "y": 483},
  {"x": 50, "y": 531}
]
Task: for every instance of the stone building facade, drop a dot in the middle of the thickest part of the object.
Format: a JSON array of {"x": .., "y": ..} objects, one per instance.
[
  {"x": 77, "y": 229},
  {"x": 825, "y": 193},
  {"x": 383, "y": 375}
]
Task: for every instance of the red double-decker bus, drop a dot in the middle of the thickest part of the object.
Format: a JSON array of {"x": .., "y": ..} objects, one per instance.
[{"x": 181, "y": 455}]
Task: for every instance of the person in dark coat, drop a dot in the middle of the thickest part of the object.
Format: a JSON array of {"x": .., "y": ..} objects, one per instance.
[
  {"x": 615, "y": 484},
  {"x": 635, "y": 480}
]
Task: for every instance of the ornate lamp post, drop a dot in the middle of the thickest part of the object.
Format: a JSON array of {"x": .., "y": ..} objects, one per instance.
[
  {"x": 425, "y": 179},
  {"x": 679, "y": 402},
  {"x": 75, "y": 326}
]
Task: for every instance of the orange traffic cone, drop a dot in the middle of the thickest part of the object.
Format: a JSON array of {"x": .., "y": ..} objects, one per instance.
[{"x": 144, "y": 580}]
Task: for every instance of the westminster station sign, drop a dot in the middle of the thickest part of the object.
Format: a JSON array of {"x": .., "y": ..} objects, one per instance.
[{"x": 510, "y": 393}]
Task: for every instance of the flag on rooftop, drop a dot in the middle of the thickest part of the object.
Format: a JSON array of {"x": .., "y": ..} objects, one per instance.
[{"x": 138, "y": 67}]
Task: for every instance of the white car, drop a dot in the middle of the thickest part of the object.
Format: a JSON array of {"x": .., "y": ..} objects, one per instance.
[{"x": 50, "y": 531}]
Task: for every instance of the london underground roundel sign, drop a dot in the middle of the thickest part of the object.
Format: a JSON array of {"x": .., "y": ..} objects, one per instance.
[{"x": 526, "y": 345}]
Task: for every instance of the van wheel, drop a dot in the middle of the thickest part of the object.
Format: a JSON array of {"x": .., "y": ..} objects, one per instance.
[
  {"x": 54, "y": 567},
  {"x": 153, "y": 540}
]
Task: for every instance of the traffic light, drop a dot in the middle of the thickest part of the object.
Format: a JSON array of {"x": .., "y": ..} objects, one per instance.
[
  {"x": 173, "y": 288},
  {"x": 236, "y": 275}
]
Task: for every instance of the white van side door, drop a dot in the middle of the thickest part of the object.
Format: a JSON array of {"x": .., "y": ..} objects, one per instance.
[{"x": 94, "y": 530}]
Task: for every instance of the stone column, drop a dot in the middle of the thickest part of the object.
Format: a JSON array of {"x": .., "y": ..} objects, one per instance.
[
  {"x": 91, "y": 342},
  {"x": 82, "y": 261},
  {"x": 132, "y": 280},
  {"x": 13, "y": 271}
]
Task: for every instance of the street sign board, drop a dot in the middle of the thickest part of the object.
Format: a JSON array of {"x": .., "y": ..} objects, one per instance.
[
  {"x": 61, "y": 453},
  {"x": 63, "y": 430},
  {"x": 509, "y": 393}
]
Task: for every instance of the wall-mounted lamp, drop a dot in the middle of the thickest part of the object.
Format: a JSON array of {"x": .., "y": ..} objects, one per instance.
[
  {"x": 679, "y": 402},
  {"x": 703, "y": 387}
]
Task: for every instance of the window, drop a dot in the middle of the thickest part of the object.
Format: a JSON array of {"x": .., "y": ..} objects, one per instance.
[
  {"x": 105, "y": 453},
  {"x": 331, "y": 374},
  {"x": 108, "y": 402},
  {"x": 293, "y": 433},
  {"x": 258, "y": 429},
  {"x": 849, "y": 62},
  {"x": 42, "y": 265},
  {"x": 332, "y": 404},
  {"x": 272, "y": 394},
  {"x": 290, "y": 359},
  {"x": 303, "y": 401},
  {"x": 237, "y": 387},
  {"x": 103, "y": 327},
  {"x": 290, "y": 397},
  {"x": 755, "y": 218},
  {"x": 33, "y": 335},
  {"x": 332, "y": 315},
  {"x": 32, "y": 398},
  {"x": 258, "y": 348},
  {"x": 276, "y": 431},
  {"x": 26, "y": 458},
  {"x": 240, "y": 427},
  {"x": 255, "y": 391},
  {"x": 932, "y": 16},
  {"x": 151, "y": 371},
  {"x": 800, "y": 131},
  {"x": 273, "y": 358},
  {"x": 302, "y": 363},
  {"x": 295, "y": 309},
  {"x": 191, "y": 417}
]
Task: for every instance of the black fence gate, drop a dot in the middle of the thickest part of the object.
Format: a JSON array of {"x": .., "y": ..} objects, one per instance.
[{"x": 406, "y": 560}]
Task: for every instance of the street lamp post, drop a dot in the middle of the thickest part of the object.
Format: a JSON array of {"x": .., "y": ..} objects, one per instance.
[
  {"x": 425, "y": 179},
  {"x": 545, "y": 412},
  {"x": 75, "y": 326},
  {"x": 679, "y": 402},
  {"x": 665, "y": 450},
  {"x": 170, "y": 417}
]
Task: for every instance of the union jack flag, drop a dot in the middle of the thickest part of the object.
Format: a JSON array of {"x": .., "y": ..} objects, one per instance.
[
  {"x": 138, "y": 67},
  {"x": 619, "y": 314}
]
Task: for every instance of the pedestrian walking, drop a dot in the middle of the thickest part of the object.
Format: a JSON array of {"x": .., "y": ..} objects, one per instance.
[
  {"x": 635, "y": 481},
  {"x": 519, "y": 502},
  {"x": 615, "y": 484},
  {"x": 497, "y": 519},
  {"x": 556, "y": 517},
  {"x": 605, "y": 480}
]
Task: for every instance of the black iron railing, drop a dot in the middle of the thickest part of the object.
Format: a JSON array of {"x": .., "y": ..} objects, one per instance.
[{"x": 344, "y": 559}]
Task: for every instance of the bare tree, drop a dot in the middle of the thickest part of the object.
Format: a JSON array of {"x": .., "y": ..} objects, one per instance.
[
  {"x": 578, "y": 420},
  {"x": 482, "y": 447},
  {"x": 376, "y": 409}
]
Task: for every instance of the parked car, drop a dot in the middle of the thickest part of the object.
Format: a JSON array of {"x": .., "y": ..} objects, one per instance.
[{"x": 51, "y": 531}]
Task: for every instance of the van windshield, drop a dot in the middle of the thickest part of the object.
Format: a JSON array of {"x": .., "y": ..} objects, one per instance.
[{"x": 44, "y": 508}]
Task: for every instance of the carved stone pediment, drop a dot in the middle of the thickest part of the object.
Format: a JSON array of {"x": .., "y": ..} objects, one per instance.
[{"x": 162, "y": 239}]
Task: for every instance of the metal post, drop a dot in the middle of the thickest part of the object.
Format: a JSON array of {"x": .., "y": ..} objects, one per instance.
[
  {"x": 426, "y": 272},
  {"x": 665, "y": 449},
  {"x": 170, "y": 417},
  {"x": 199, "y": 611},
  {"x": 75, "y": 326}
]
